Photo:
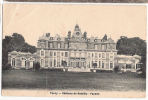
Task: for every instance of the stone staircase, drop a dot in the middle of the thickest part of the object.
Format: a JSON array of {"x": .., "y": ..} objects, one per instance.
[{"x": 78, "y": 70}]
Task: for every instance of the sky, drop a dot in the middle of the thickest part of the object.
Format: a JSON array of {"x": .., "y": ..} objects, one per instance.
[{"x": 34, "y": 20}]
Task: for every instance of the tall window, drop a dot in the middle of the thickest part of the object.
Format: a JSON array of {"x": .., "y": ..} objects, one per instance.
[
  {"x": 103, "y": 55},
  {"x": 58, "y": 54},
  {"x": 111, "y": 64},
  {"x": 102, "y": 64},
  {"x": 99, "y": 64},
  {"x": 50, "y": 63},
  {"x": 128, "y": 66},
  {"x": 50, "y": 45},
  {"x": 42, "y": 53},
  {"x": 66, "y": 54},
  {"x": 54, "y": 62},
  {"x": 51, "y": 53},
  {"x": 111, "y": 55},
  {"x": 42, "y": 62},
  {"x": 54, "y": 53},
  {"x": 25, "y": 63},
  {"x": 66, "y": 46},
  {"x": 79, "y": 54},
  {"x": 13, "y": 61},
  {"x": 103, "y": 47},
  {"x": 96, "y": 47},
  {"x": 99, "y": 55},
  {"x": 96, "y": 55},
  {"x": 62, "y": 54},
  {"x": 88, "y": 54}
]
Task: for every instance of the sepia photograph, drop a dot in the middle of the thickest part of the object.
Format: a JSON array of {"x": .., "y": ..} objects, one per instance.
[
  {"x": 74, "y": 50},
  {"x": 83, "y": 1}
]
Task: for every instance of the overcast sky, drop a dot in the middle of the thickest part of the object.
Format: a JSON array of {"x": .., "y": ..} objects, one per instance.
[{"x": 33, "y": 20}]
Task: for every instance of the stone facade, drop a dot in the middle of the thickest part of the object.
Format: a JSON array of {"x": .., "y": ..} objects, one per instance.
[{"x": 77, "y": 50}]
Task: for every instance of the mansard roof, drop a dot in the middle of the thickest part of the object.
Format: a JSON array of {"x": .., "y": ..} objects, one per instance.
[{"x": 76, "y": 36}]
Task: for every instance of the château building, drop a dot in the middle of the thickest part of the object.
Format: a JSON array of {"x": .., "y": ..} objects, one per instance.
[{"x": 75, "y": 51}]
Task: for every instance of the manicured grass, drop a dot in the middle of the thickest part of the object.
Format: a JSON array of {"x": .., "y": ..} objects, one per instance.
[{"x": 27, "y": 79}]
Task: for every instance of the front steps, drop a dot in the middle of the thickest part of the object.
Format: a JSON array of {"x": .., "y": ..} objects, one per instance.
[{"x": 78, "y": 70}]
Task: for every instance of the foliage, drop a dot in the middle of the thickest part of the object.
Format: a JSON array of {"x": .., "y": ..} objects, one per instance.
[
  {"x": 116, "y": 69},
  {"x": 16, "y": 42},
  {"x": 7, "y": 67},
  {"x": 64, "y": 63},
  {"x": 94, "y": 65},
  {"x": 132, "y": 46},
  {"x": 36, "y": 66}
]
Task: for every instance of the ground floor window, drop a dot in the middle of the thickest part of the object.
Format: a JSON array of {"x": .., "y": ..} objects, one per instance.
[
  {"x": 13, "y": 62},
  {"x": 99, "y": 64},
  {"x": 102, "y": 64},
  {"x": 50, "y": 63},
  {"x": 111, "y": 64},
  {"x": 25, "y": 63},
  {"x": 58, "y": 64},
  {"x": 54, "y": 62},
  {"x": 42, "y": 62},
  {"x": 128, "y": 66}
]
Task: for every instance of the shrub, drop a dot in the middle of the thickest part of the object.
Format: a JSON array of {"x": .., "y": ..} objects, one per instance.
[
  {"x": 116, "y": 69},
  {"x": 64, "y": 63},
  {"x": 94, "y": 65},
  {"x": 7, "y": 67},
  {"x": 36, "y": 66}
]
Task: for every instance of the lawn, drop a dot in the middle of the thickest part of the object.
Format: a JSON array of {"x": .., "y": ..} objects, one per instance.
[{"x": 27, "y": 79}]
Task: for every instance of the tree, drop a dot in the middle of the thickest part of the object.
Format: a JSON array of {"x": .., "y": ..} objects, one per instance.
[
  {"x": 116, "y": 69},
  {"x": 64, "y": 63},
  {"x": 132, "y": 46},
  {"x": 94, "y": 65},
  {"x": 36, "y": 66}
]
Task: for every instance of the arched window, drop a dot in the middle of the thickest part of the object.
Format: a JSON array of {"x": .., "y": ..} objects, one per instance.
[
  {"x": 103, "y": 55},
  {"x": 59, "y": 45},
  {"x": 99, "y": 64},
  {"x": 13, "y": 62},
  {"x": 54, "y": 62},
  {"x": 25, "y": 63},
  {"x": 111, "y": 64},
  {"x": 102, "y": 64},
  {"x": 42, "y": 62},
  {"x": 42, "y": 53}
]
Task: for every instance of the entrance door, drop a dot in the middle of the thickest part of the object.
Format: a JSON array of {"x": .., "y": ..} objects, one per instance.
[
  {"x": 77, "y": 64},
  {"x": 27, "y": 64},
  {"x": 31, "y": 64}
]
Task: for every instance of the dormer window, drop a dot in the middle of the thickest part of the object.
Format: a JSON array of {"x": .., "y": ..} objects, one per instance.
[
  {"x": 51, "y": 38},
  {"x": 58, "y": 39},
  {"x": 77, "y": 33},
  {"x": 23, "y": 58}
]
